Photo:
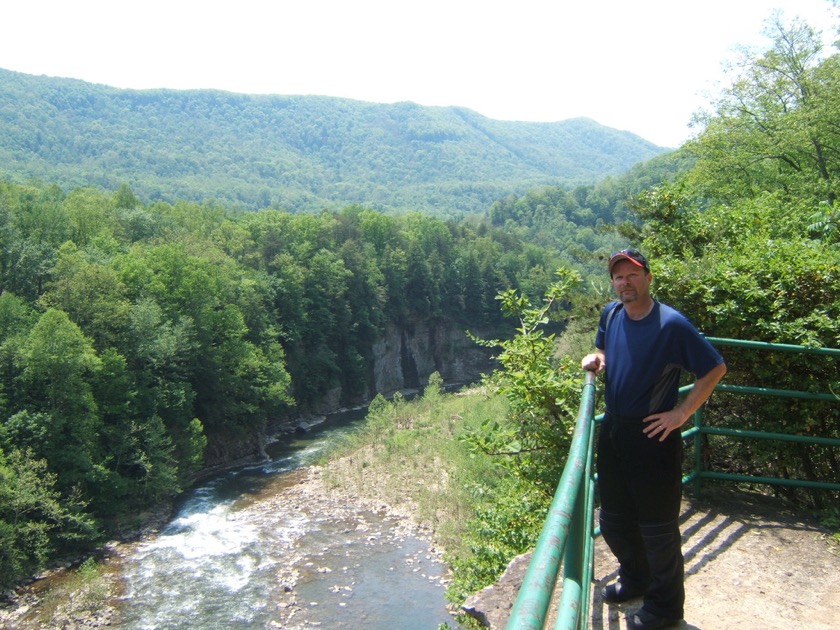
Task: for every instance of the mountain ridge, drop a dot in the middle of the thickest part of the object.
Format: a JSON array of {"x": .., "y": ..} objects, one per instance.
[{"x": 300, "y": 153}]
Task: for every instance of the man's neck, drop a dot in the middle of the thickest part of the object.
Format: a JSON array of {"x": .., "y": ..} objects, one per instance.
[{"x": 639, "y": 309}]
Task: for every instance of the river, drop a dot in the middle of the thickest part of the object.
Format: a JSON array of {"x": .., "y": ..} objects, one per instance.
[{"x": 244, "y": 552}]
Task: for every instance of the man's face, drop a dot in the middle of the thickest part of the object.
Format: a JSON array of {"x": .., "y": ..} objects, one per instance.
[{"x": 630, "y": 281}]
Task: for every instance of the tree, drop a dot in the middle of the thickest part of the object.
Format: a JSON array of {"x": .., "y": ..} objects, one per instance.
[
  {"x": 89, "y": 214},
  {"x": 57, "y": 361},
  {"x": 124, "y": 198},
  {"x": 41, "y": 217},
  {"x": 90, "y": 293},
  {"x": 16, "y": 320},
  {"x": 733, "y": 246},
  {"x": 35, "y": 520},
  {"x": 775, "y": 127},
  {"x": 140, "y": 452},
  {"x": 29, "y": 266}
]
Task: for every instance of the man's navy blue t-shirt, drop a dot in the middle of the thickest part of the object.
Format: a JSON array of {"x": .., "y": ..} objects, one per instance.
[{"x": 644, "y": 358}]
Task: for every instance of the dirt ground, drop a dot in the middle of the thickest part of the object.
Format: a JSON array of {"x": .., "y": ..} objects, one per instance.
[{"x": 749, "y": 565}]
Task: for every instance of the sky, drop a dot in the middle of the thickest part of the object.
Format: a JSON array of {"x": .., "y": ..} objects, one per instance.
[{"x": 643, "y": 66}]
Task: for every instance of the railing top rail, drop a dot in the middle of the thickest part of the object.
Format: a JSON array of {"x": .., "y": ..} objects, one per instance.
[
  {"x": 779, "y": 393},
  {"x": 532, "y": 602},
  {"x": 766, "y": 345}
]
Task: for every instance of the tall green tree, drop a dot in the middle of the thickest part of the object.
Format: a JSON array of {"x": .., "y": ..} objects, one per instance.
[
  {"x": 90, "y": 293},
  {"x": 36, "y": 521},
  {"x": 57, "y": 362},
  {"x": 541, "y": 391},
  {"x": 90, "y": 215},
  {"x": 734, "y": 246}
]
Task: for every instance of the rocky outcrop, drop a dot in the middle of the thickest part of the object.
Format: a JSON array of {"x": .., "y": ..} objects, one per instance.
[
  {"x": 226, "y": 451},
  {"x": 407, "y": 355},
  {"x": 491, "y": 606},
  {"x": 403, "y": 360}
]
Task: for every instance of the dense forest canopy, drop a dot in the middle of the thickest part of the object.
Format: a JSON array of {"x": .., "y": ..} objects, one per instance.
[
  {"x": 292, "y": 153},
  {"x": 140, "y": 342}
]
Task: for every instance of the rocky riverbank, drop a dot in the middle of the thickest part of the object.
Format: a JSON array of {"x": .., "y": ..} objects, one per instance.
[{"x": 84, "y": 599}]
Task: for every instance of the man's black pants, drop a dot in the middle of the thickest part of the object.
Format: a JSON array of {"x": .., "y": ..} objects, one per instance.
[{"x": 639, "y": 481}]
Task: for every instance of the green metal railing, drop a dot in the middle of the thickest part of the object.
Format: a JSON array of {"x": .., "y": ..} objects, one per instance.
[
  {"x": 699, "y": 429},
  {"x": 567, "y": 529},
  {"x": 568, "y": 535}
]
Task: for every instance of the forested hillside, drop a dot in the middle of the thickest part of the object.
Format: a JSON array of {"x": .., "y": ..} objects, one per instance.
[{"x": 296, "y": 153}]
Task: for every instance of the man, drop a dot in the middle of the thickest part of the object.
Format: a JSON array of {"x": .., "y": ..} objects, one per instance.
[{"x": 641, "y": 346}]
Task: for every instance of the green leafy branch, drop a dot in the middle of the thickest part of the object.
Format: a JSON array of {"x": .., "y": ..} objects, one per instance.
[{"x": 542, "y": 392}]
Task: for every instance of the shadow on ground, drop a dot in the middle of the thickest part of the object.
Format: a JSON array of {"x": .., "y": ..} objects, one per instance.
[{"x": 749, "y": 562}]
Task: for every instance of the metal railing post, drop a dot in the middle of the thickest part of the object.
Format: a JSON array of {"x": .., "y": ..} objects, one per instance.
[{"x": 698, "y": 450}]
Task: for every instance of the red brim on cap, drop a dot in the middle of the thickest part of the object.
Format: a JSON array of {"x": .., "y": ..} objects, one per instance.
[{"x": 620, "y": 257}]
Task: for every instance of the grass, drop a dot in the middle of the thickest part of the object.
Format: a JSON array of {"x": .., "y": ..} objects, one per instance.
[{"x": 410, "y": 454}]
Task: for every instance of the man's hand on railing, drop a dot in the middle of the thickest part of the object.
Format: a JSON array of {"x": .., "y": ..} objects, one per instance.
[{"x": 594, "y": 362}]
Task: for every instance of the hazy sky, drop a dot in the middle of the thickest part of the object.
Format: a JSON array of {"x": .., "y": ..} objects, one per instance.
[{"x": 641, "y": 65}]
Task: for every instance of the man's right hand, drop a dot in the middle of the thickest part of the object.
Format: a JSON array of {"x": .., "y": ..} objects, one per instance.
[{"x": 594, "y": 362}]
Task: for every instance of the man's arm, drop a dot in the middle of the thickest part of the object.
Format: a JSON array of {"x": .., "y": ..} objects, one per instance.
[{"x": 662, "y": 424}]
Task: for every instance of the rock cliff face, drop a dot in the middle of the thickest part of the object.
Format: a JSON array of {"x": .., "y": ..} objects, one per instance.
[{"x": 406, "y": 356}]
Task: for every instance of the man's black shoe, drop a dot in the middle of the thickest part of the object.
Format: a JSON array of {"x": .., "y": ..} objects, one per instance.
[
  {"x": 615, "y": 593},
  {"x": 644, "y": 620}
]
